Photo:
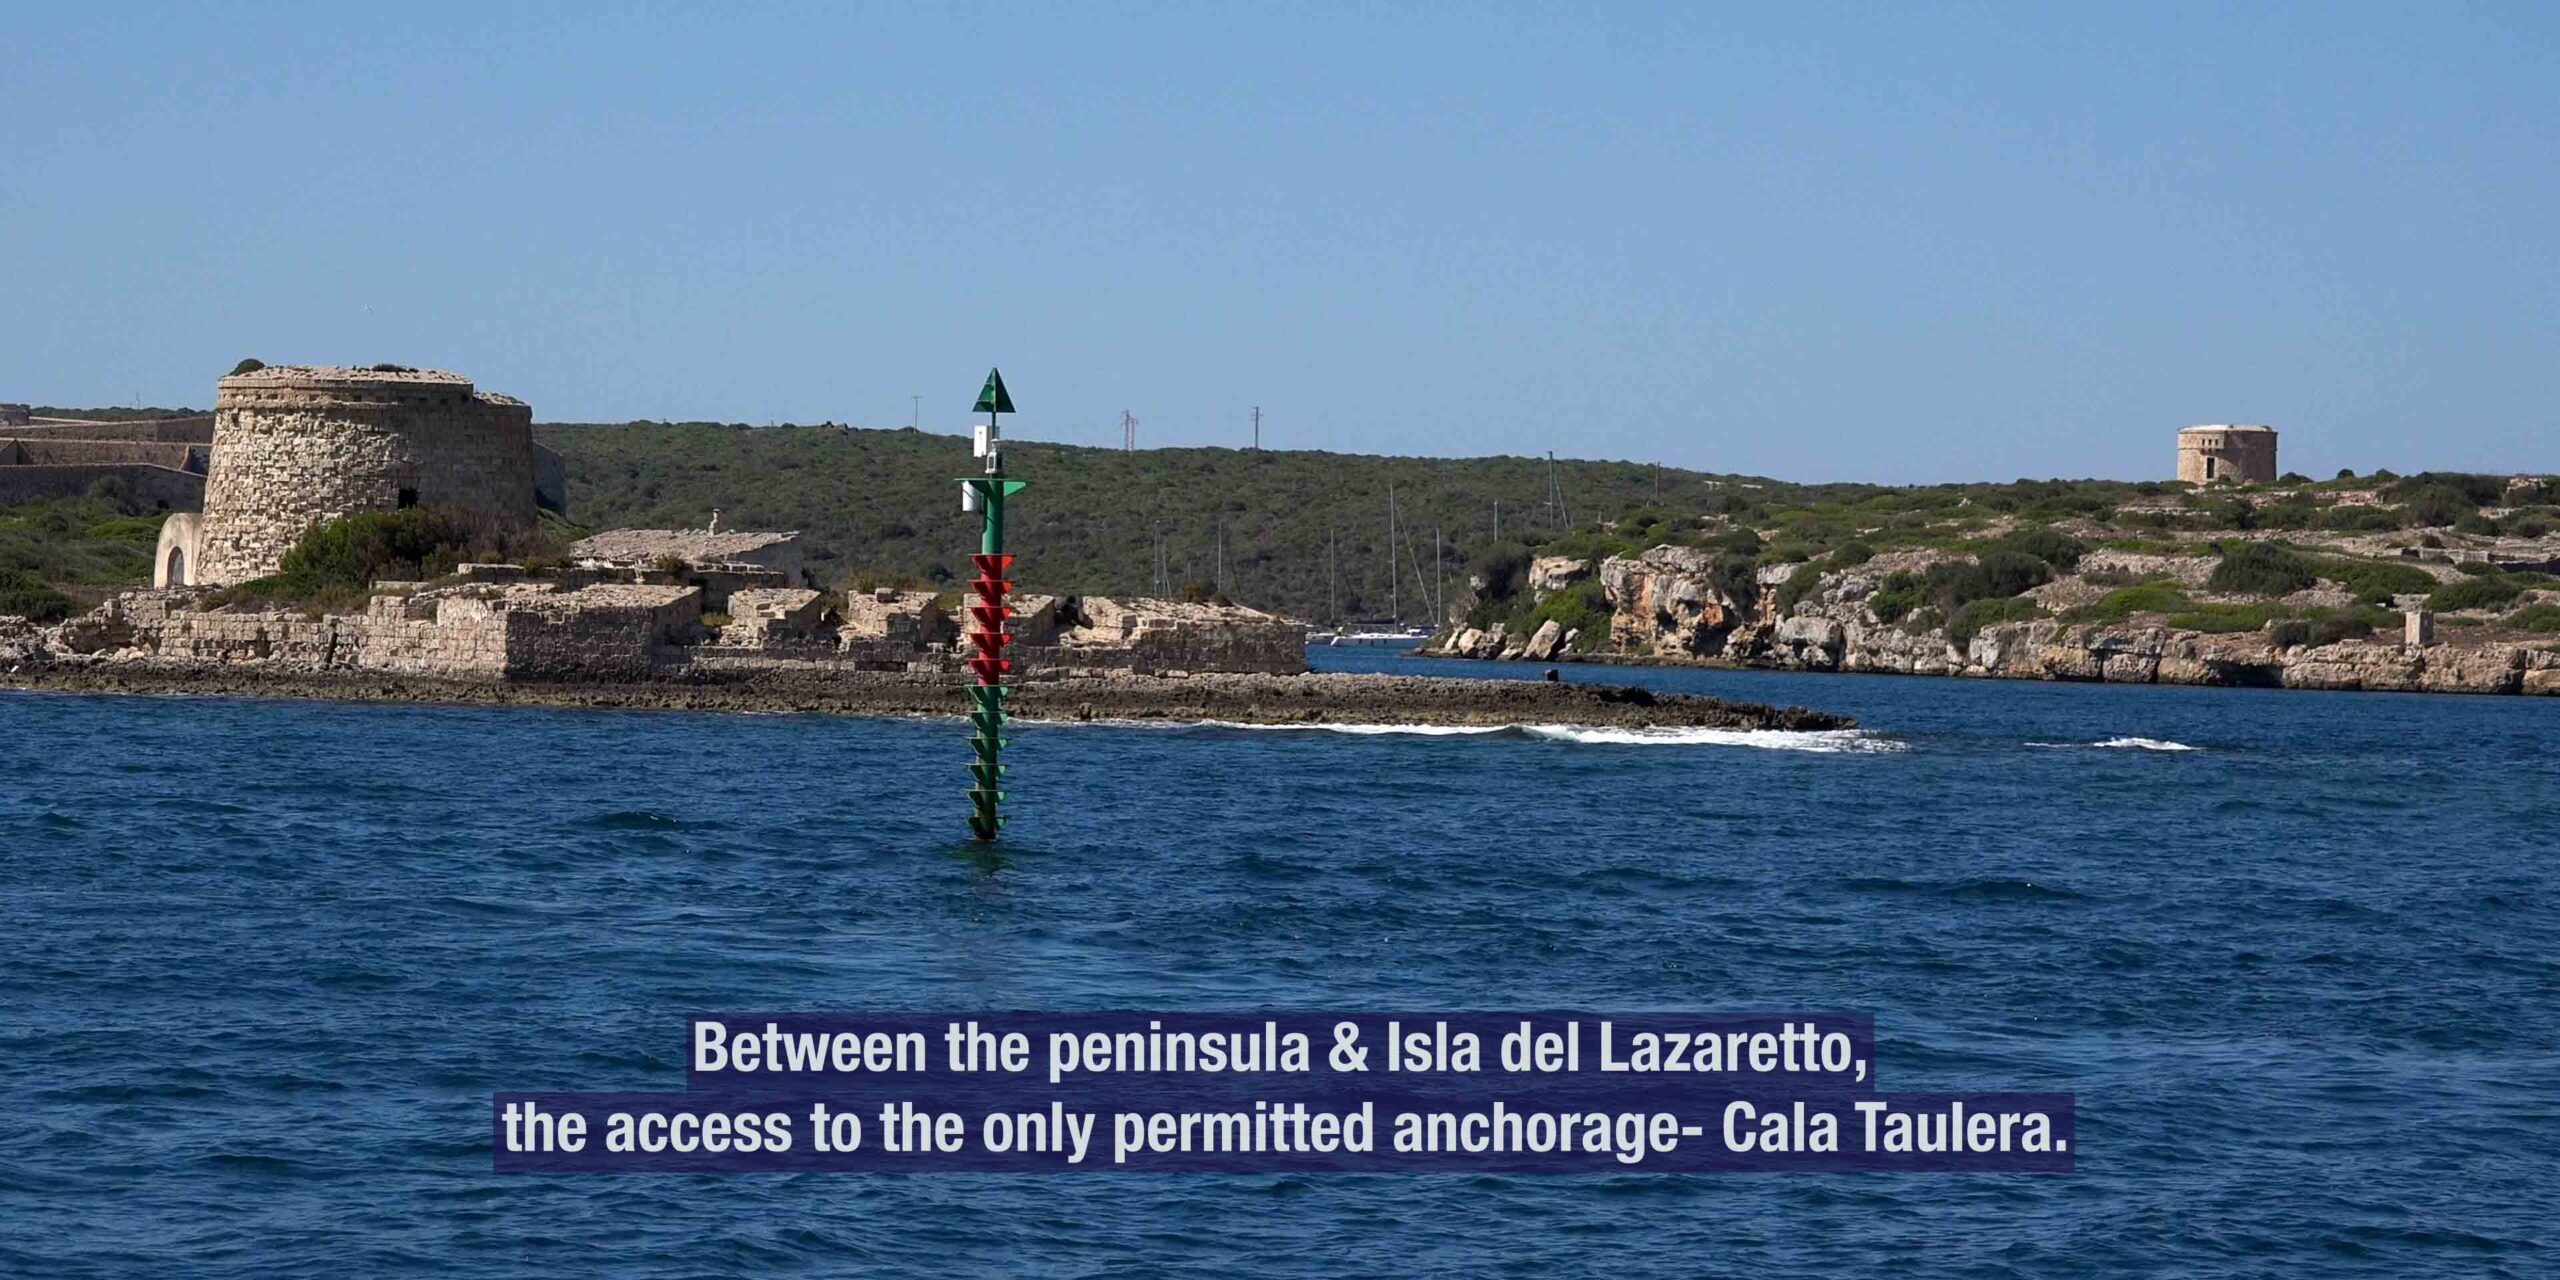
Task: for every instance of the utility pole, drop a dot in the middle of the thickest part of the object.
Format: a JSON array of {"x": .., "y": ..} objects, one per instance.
[
  {"x": 1497, "y": 519},
  {"x": 1128, "y": 431},
  {"x": 1555, "y": 494},
  {"x": 1162, "y": 588},
  {"x": 1257, "y": 428},
  {"x": 915, "y": 411},
  {"x": 1218, "y": 576}
]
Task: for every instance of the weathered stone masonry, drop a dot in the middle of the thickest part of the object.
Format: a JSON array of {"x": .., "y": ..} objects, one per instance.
[{"x": 294, "y": 446}]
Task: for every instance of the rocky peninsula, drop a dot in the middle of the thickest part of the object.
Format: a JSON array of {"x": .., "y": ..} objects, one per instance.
[
  {"x": 2185, "y": 586},
  {"x": 1236, "y": 698},
  {"x": 644, "y": 639}
]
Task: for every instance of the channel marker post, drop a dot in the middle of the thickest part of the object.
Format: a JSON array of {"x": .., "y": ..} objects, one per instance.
[{"x": 987, "y": 611}]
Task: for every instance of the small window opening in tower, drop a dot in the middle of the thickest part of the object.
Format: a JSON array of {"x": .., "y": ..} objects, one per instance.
[{"x": 409, "y": 497}]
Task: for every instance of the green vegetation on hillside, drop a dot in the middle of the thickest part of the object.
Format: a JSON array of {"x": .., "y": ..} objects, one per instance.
[
  {"x": 1304, "y": 533},
  {"x": 59, "y": 555}
]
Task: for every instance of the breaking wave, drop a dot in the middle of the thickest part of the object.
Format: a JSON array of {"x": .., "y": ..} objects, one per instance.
[
  {"x": 2125, "y": 744},
  {"x": 1827, "y": 740}
]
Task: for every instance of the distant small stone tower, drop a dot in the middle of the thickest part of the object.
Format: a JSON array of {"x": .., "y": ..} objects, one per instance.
[
  {"x": 294, "y": 446},
  {"x": 2227, "y": 453}
]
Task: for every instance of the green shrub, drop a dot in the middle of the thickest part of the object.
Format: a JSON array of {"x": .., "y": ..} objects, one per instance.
[
  {"x": 335, "y": 563},
  {"x": 2475, "y": 568},
  {"x": 2318, "y": 631},
  {"x": 248, "y": 366},
  {"x": 2156, "y": 596},
  {"x": 2052, "y": 546},
  {"x": 1901, "y": 593},
  {"x": 2262, "y": 568},
  {"x": 1505, "y": 570},
  {"x": 2536, "y": 617},
  {"x": 1582, "y": 607},
  {"x": 2435, "y": 506},
  {"x": 2531, "y": 524},
  {"x": 2360, "y": 519},
  {"x": 2474, "y": 593},
  {"x": 24, "y": 595},
  {"x": 1797, "y": 586},
  {"x": 1737, "y": 575},
  {"x": 1969, "y": 621},
  {"x": 2375, "y": 581},
  {"x": 2009, "y": 572},
  {"x": 1850, "y": 554},
  {"x": 2467, "y": 489},
  {"x": 2225, "y": 618}
]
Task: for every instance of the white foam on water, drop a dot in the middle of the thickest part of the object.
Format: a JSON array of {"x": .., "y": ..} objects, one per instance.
[
  {"x": 1365, "y": 730},
  {"x": 2125, "y": 744},
  {"x": 1830, "y": 740}
]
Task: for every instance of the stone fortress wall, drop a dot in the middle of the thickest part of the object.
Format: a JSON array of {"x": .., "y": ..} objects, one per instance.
[
  {"x": 160, "y": 462},
  {"x": 2227, "y": 453},
  {"x": 297, "y": 445}
]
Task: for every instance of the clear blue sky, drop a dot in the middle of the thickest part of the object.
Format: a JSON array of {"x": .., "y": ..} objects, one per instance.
[{"x": 1876, "y": 242}]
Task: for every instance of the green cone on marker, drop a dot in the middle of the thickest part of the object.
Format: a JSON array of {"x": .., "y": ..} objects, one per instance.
[{"x": 992, "y": 397}]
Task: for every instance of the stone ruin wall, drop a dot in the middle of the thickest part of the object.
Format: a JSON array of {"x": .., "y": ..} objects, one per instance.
[
  {"x": 613, "y": 633},
  {"x": 293, "y": 448},
  {"x": 634, "y": 631}
]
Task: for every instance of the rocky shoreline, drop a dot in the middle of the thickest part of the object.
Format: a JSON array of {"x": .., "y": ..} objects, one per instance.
[
  {"x": 1236, "y": 698},
  {"x": 1668, "y": 608}
]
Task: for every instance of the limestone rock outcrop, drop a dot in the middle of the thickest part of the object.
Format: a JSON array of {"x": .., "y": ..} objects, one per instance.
[
  {"x": 1665, "y": 603},
  {"x": 1551, "y": 574}
]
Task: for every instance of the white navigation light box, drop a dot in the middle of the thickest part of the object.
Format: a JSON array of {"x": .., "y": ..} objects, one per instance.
[{"x": 968, "y": 496}]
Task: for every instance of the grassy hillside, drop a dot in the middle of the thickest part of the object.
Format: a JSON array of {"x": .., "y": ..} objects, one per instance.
[
  {"x": 63, "y": 554},
  {"x": 889, "y": 500},
  {"x": 2322, "y": 554}
]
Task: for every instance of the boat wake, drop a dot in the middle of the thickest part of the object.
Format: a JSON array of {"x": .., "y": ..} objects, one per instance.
[{"x": 2125, "y": 744}]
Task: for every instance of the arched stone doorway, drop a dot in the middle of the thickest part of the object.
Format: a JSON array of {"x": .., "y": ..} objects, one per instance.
[{"x": 180, "y": 555}]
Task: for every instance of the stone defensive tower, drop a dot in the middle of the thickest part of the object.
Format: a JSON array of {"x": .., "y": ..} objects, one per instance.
[
  {"x": 297, "y": 445},
  {"x": 2227, "y": 453}
]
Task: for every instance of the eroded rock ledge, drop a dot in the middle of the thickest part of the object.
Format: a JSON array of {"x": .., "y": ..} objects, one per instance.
[{"x": 1237, "y": 698}]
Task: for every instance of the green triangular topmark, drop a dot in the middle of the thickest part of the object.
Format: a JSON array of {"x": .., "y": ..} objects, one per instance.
[{"x": 992, "y": 397}]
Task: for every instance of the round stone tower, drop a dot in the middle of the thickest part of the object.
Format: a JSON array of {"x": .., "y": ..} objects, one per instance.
[
  {"x": 2227, "y": 453},
  {"x": 297, "y": 445}
]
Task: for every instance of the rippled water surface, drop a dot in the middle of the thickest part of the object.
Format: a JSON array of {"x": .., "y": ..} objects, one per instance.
[{"x": 262, "y": 964}]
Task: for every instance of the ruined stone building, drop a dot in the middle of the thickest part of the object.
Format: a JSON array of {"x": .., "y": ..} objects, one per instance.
[
  {"x": 294, "y": 446},
  {"x": 702, "y": 548},
  {"x": 2227, "y": 453}
]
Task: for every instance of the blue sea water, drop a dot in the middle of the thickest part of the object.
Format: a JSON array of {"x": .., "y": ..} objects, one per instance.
[{"x": 262, "y": 963}]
